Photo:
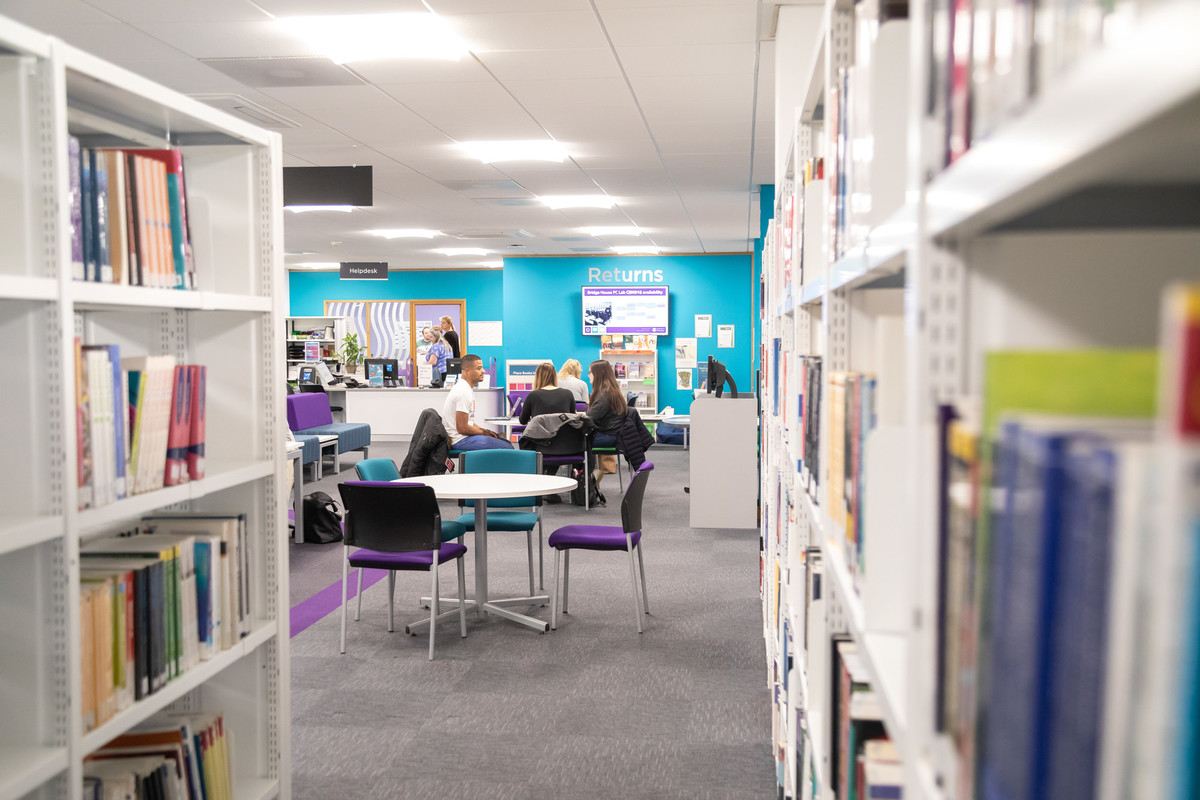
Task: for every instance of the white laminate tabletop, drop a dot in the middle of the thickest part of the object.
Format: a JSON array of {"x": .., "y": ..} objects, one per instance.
[
  {"x": 679, "y": 420},
  {"x": 485, "y": 485}
]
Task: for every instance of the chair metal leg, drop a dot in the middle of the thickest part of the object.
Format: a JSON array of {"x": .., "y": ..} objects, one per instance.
[
  {"x": 434, "y": 603},
  {"x": 620, "y": 474},
  {"x": 391, "y": 600},
  {"x": 345, "y": 578},
  {"x": 358, "y": 611},
  {"x": 541, "y": 568},
  {"x": 554, "y": 594},
  {"x": 529, "y": 550},
  {"x": 566, "y": 577},
  {"x": 587, "y": 486},
  {"x": 642, "y": 567},
  {"x": 462, "y": 597},
  {"x": 637, "y": 596}
]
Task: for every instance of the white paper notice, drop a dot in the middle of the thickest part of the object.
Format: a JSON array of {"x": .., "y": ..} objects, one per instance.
[
  {"x": 724, "y": 336},
  {"x": 703, "y": 326},
  {"x": 485, "y": 334},
  {"x": 685, "y": 353}
]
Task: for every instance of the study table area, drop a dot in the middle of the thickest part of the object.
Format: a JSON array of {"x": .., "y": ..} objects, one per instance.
[{"x": 480, "y": 487}]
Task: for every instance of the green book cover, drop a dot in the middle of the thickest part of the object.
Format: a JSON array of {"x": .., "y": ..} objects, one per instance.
[{"x": 1088, "y": 383}]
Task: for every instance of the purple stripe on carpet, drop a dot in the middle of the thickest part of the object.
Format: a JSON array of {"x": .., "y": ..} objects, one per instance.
[{"x": 307, "y": 612}]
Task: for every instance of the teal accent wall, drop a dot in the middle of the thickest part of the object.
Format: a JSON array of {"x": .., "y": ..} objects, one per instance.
[
  {"x": 543, "y": 316},
  {"x": 766, "y": 212},
  {"x": 482, "y": 289}
]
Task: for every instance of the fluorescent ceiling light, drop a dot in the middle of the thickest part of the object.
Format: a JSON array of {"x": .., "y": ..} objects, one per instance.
[
  {"x": 516, "y": 150},
  {"x": 405, "y": 233},
  {"x": 316, "y": 265},
  {"x": 633, "y": 249},
  {"x": 462, "y": 251},
  {"x": 614, "y": 230},
  {"x": 302, "y": 209},
  {"x": 578, "y": 201},
  {"x": 344, "y": 38}
]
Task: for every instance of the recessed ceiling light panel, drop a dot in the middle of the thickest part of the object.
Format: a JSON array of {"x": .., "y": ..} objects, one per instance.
[
  {"x": 578, "y": 201},
  {"x": 614, "y": 230},
  {"x": 462, "y": 251},
  {"x": 345, "y": 38},
  {"x": 516, "y": 150},
  {"x": 405, "y": 233}
]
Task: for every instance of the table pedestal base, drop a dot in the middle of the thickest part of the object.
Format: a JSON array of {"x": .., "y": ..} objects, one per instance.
[{"x": 497, "y": 607}]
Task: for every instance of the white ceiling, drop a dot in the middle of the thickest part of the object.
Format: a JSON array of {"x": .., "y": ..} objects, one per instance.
[{"x": 664, "y": 104}]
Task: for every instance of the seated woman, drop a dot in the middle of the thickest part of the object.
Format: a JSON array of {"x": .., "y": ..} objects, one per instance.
[
  {"x": 546, "y": 397},
  {"x": 606, "y": 407},
  {"x": 436, "y": 357},
  {"x": 568, "y": 378}
]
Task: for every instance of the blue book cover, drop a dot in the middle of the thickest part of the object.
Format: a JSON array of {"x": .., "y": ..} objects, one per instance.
[
  {"x": 120, "y": 420},
  {"x": 204, "y": 577},
  {"x": 100, "y": 217},
  {"x": 75, "y": 169},
  {"x": 87, "y": 207}
]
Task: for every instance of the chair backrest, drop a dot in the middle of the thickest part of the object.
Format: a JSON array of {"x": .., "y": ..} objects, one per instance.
[
  {"x": 377, "y": 469},
  {"x": 581, "y": 406},
  {"x": 631, "y": 503},
  {"x": 567, "y": 441},
  {"x": 391, "y": 517},
  {"x": 513, "y": 462},
  {"x": 308, "y": 411}
]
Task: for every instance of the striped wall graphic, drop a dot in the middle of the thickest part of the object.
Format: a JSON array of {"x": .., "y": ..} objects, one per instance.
[{"x": 389, "y": 329}]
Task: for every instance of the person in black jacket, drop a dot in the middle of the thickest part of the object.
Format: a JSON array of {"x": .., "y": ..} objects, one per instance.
[
  {"x": 451, "y": 337},
  {"x": 546, "y": 397}
]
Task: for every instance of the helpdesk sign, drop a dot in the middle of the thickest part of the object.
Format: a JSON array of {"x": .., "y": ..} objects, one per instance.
[{"x": 364, "y": 271}]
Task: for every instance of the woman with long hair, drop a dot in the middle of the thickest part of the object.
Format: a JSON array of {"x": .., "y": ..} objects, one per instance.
[
  {"x": 568, "y": 378},
  {"x": 450, "y": 336},
  {"x": 546, "y": 397},
  {"x": 607, "y": 404},
  {"x": 436, "y": 357}
]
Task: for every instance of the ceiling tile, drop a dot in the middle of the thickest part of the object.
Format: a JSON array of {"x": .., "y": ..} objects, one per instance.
[
  {"x": 296, "y": 8},
  {"x": 576, "y": 64},
  {"x": 468, "y": 111},
  {"x": 149, "y": 11},
  {"x": 688, "y": 60},
  {"x": 667, "y": 26},
  {"x": 363, "y": 113},
  {"x": 534, "y": 30},
  {"x": 421, "y": 70},
  {"x": 229, "y": 39}
]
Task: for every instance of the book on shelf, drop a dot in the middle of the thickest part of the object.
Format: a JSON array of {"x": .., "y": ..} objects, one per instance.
[
  {"x": 882, "y": 771},
  {"x": 179, "y": 428},
  {"x": 197, "y": 428}
]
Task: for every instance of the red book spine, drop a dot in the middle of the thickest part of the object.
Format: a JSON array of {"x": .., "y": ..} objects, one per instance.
[{"x": 195, "y": 450}]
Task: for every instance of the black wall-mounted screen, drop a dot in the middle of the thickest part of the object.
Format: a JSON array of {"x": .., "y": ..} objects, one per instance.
[{"x": 327, "y": 186}]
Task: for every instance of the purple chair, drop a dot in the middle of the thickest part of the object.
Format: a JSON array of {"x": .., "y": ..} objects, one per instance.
[
  {"x": 398, "y": 526},
  {"x": 627, "y": 537}
]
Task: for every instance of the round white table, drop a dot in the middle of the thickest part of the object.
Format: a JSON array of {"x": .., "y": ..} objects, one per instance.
[
  {"x": 480, "y": 487},
  {"x": 681, "y": 421}
]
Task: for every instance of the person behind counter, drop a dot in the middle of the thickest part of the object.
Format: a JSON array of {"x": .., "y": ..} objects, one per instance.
[
  {"x": 568, "y": 378},
  {"x": 451, "y": 336},
  {"x": 546, "y": 397},
  {"x": 436, "y": 357},
  {"x": 458, "y": 412}
]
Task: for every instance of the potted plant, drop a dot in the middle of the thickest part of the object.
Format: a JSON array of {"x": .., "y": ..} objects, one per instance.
[{"x": 351, "y": 352}]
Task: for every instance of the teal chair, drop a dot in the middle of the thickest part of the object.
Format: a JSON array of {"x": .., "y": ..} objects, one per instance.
[
  {"x": 385, "y": 469},
  {"x": 516, "y": 462}
]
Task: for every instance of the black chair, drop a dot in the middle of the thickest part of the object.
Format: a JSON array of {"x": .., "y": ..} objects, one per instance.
[
  {"x": 569, "y": 446},
  {"x": 627, "y": 537},
  {"x": 398, "y": 526}
]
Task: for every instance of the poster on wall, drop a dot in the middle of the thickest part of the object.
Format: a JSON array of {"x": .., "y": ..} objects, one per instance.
[
  {"x": 703, "y": 326},
  {"x": 724, "y": 336},
  {"x": 683, "y": 380},
  {"x": 685, "y": 354}
]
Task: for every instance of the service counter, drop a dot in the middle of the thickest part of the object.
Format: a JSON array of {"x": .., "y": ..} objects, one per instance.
[{"x": 392, "y": 413}]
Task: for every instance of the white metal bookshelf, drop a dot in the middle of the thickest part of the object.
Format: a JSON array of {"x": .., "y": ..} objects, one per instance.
[
  {"x": 49, "y": 90},
  {"x": 1060, "y": 229}
]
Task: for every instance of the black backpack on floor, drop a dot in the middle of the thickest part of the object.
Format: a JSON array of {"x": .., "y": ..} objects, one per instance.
[
  {"x": 322, "y": 519},
  {"x": 597, "y": 497}
]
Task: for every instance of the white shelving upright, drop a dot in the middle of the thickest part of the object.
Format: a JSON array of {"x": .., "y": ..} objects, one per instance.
[
  {"x": 1058, "y": 230},
  {"x": 230, "y": 323}
]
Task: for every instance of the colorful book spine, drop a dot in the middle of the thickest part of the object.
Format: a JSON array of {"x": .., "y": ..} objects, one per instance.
[{"x": 196, "y": 432}]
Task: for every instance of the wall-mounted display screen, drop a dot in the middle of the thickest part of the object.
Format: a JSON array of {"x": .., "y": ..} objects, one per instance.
[{"x": 625, "y": 309}]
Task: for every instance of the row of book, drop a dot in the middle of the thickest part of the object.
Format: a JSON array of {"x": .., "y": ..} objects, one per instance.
[
  {"x": 129, "y": 220},
  {"x": 990, "y": 58},
  {"x": 155, "y": 604},
  {"x": 634, "y": 370},
  {"x": 864, "y": 763},
  {"x": 140, "y": 423},
  {"x": 172, "y": 757},
  {"x": 1067, "y": 623},
  {"x": 628, "y": 341}
]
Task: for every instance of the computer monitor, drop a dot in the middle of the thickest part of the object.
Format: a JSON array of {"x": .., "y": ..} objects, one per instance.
[
  {"x": 717, "y": 376},
  {"x": 454, "y": 366},
  {"x": 389, "y": 366}
]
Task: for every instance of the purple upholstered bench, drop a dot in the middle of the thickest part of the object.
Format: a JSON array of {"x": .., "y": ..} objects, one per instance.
[{"x": 309, "y": 414}]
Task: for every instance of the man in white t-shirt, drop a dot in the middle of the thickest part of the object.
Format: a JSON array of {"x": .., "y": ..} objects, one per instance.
[{"x": 458, "y": 413}]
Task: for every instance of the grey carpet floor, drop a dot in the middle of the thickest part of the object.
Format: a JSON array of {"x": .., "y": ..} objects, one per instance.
[{"x": 591, "y": 710}]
